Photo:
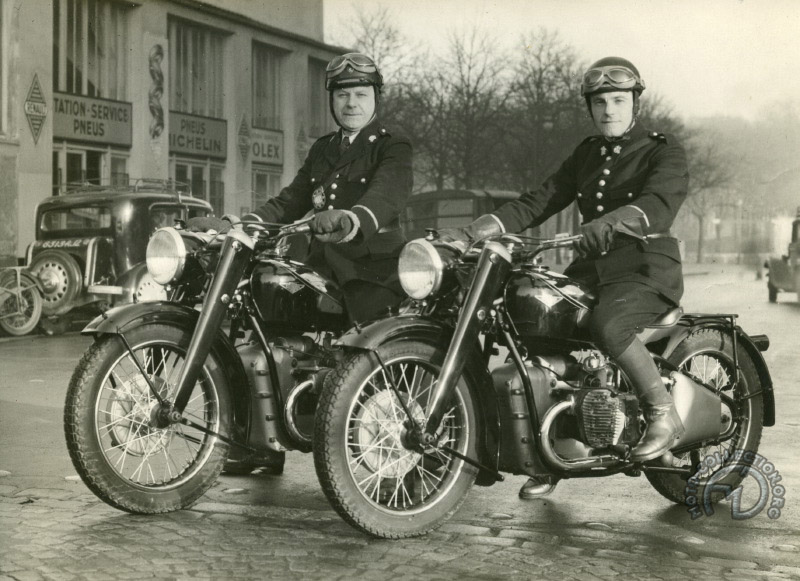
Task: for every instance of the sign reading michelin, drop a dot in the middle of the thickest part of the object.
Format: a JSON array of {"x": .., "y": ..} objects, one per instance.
[
  {"x": 96, "y": 120},
  {"x": 195, "y": 135}
]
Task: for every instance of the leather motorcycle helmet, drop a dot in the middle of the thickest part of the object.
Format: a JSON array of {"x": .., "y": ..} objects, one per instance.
[
  {"x": 353, "y": 69},
  {"x": 610, "y": 74}
]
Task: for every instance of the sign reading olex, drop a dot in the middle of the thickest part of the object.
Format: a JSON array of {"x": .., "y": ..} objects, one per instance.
[
  {"x": 197, "y": 135},
  {"x": 96, "y": 120},
  {"x": 267, "y": 146}
]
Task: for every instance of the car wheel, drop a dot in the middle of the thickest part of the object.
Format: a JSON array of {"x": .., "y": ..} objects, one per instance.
[
  {"x": 60, "y": 277},
  {"x": 773, "y": 292}
]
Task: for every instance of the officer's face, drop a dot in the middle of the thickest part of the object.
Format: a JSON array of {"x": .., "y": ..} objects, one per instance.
[
  {"x": 354, "y": 106},
  {"x": 612, "y": 112}
]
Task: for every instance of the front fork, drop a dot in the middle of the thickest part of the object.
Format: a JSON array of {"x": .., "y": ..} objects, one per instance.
[
  {"x": 234, "y": 257},
  {"x": 493, "y": 267}
]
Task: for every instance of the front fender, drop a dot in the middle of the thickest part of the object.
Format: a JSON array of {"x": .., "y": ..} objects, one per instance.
[
  {"x": 413, "y": 327},
  {"x": 120, "y": 320},
  {"x": 673, "y": 336},
  {"x": 410, "y": 326}
]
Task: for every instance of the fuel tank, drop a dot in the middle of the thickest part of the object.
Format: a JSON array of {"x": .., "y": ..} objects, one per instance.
[
  {"x": 290, "y": 297},
  {"x": 547, "y": 305}
]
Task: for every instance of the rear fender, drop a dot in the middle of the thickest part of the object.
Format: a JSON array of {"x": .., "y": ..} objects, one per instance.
[
  {"x": 121, "y": 320},
  {"x": 665, "y": 341},
  {"x": 432, "y": 331}
]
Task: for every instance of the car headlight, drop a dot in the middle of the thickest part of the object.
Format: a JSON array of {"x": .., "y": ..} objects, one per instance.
[
  {"x": 421, "y": 269},
  {"x": 166, "y": 255}
]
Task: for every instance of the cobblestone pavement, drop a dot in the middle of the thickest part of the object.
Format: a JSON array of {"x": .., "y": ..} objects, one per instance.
[
  {"x": 281, "y": 527},
  {"x": 66, "y": 533}
]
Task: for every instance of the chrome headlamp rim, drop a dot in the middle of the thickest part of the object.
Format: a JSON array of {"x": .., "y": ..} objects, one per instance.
[
  {"x": 436, "y": 267},
  {"x": 174, "y": 238}
]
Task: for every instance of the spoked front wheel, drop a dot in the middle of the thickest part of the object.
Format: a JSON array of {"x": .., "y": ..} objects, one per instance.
[
  {"x": 117, "y": 448},
  {"x": 374, "y": 478}
]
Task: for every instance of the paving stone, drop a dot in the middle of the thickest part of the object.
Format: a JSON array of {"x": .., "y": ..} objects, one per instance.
[
  {"x": 497, "y": 541},
  {"x": 729, "y": 563},
  {"x": 759, "y": 573},
  {"x": 464, "y": 529}
]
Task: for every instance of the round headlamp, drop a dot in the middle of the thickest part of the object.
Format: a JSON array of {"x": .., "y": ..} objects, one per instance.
[
  {"x": 420, "y": 269},
  {"x": 166, "y": 255}
]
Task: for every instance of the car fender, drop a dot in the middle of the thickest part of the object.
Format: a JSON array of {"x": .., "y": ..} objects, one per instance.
[
  {"x": 415, "y": 327},
  {"x": 123, "y": 319}
]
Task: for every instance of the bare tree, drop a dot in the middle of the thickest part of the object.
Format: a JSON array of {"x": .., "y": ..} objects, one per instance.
[{"x": 710, "y": 173}]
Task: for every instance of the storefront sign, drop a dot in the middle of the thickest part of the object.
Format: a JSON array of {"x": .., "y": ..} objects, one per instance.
[
  {"x": 35, "y": 109},
  {"x": 96, "y": 120},
  {"x": 266, "y": 146},
  {"x": 196, "y": 135}
]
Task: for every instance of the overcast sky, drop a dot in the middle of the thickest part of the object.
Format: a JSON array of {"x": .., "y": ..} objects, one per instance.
[{"x": 706, "y": 57}]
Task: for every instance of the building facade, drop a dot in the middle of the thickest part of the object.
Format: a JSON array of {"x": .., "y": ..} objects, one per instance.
[{"x": 225, "y": 97}]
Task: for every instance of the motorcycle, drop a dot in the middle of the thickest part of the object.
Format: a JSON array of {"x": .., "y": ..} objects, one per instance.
[
  {"x": 165, "y": 393},
  {"x": 420, "y": 409}
]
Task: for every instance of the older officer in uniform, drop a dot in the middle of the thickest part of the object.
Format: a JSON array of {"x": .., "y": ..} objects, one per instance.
[
  {"x": 357, "y": 181},
  {"x": 629, "y": 184}
]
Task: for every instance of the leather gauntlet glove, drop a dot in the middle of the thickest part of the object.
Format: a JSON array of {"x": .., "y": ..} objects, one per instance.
[
  {"x": 206, "y": 223},
  {"x": 483, "y": 227},
  {"x": 599, "y": 233},
  {"x": 334, "y": 226}
]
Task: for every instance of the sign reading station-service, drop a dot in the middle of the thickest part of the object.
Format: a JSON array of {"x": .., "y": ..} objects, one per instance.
[
  {"x": 95, "y": 120},
  {"x": 195, "y": 135}
]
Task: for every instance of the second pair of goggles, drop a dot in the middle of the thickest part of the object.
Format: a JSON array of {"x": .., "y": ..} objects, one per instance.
[
  {"x": 358, "y": 61},
  {"x": 615, "y": 76}
]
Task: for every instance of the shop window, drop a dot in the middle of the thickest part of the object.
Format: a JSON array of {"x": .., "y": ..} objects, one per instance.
[
  {"x": 266, "y": 185},
  {"x": 267, "y": 83},
  {"x": 216, "y": 191},
  {"x": 90, "y": 43},
  {"x": 196, "y": 69},
  {"x": 318, "y": 99},
  {"x": 119, "y": 171}
]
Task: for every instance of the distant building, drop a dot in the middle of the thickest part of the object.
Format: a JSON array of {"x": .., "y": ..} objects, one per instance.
[{"x": 227, "y": 100}]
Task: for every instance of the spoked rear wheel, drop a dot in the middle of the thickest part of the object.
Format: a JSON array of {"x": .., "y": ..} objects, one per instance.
[
  {"x": 707, "y": 356},
  {"x": 369, "y": 474},
  {"x": 117, "y": 450},
  {"x": 20, "y": 304}
]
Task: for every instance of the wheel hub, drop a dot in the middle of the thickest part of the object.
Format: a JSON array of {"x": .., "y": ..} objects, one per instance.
[{"x": 381, "y": 435}]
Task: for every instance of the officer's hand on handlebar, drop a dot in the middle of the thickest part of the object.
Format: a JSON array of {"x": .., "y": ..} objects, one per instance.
[
  {"x": 331, "y": 225},
  {"x": 595, "y": 240},
  {"x": 206, "y": 223},
  {"x": 454, "y": 235}
]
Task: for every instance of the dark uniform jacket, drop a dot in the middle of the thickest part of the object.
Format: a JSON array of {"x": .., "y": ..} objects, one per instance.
[
  {"x": 647, "y": 170},
  {"x": 373, "y": 179}
]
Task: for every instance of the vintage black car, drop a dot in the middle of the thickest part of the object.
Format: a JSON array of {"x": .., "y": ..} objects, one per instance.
[
  {"x": 90, "y": 243},
  {"x": 784, "y": 271}
]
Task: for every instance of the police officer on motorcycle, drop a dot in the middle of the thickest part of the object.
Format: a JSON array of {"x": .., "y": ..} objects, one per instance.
[
  {"x": 629, "y": 184},
  {"x": 356, "y": 181}
]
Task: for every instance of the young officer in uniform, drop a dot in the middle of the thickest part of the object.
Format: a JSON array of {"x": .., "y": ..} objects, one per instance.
[
  {"x": 629, "y": 184},
  {"x": 357, "y": 181}
]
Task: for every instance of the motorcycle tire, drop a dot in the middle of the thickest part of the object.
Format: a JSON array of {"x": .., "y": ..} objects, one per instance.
[
  {"x": 708, "y": 355},
  {"x": 375, "y": 483},
  {"x": 119, "y": 455},
  {"x": 19, "y": 315}
]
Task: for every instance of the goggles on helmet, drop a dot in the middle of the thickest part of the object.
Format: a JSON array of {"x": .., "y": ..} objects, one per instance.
[
  {"x": 358, "y": 61},
  {"x": 615, "y": 76}
]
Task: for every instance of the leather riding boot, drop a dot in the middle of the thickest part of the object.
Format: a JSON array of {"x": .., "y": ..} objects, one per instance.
[
  {"x": 537, "y": 487},
  {"x": 664, "y": 426}
]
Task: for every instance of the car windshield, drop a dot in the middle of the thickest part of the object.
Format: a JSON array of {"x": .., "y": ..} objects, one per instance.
[{"x": 81, "y": 218}]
